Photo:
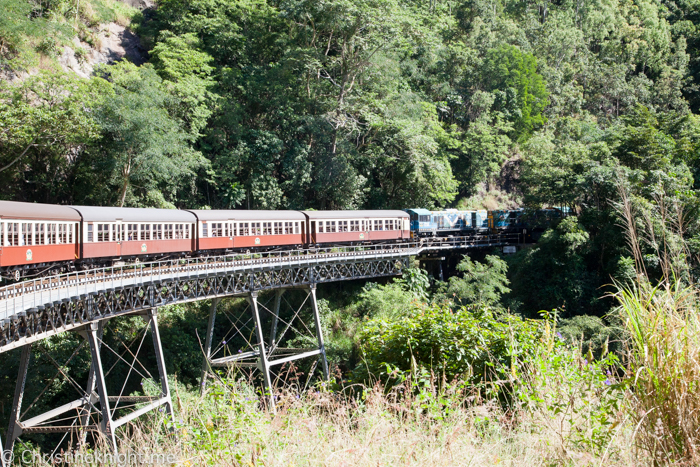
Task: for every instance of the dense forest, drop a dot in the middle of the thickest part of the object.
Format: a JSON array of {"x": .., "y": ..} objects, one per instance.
[{"x": 372, "y": 104}]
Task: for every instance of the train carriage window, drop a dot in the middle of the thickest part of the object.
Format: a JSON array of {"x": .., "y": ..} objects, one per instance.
[
  {"x": 157, "y": 232},
  {"x": 144, "y": 232},
  {"x": 354, "y": 226},
  {"x": 267, "y": 228},
  {"x": 297, "y": 229},
  {"x": 331, "y": 226},
  {"x": 377, "y": 224},
  {"x": 40, "y": 234},
  {"x": 320, "y": 226},
  {"x": 178, "y": 231},
  {"x": 205, "y": 229},
  {"x": 101, "y": 232},
  {"x": 215, "y": 230},
  {"x": 90, "y": 228},
  {"x": 132, "y": 232},
  {"x": 53, "y": 234},
  {"x": 187, "y": 231},
  {"x": 288, "y": 228},
  {"x": 278, "y": 228},
  {"x": 13, "y": 234},
  {"x": 342, "y": 226},
  {"x": 244, "y": 229}
]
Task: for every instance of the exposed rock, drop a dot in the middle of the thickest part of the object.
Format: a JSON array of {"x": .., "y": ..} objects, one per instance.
[{"x": 114, "y": 43}]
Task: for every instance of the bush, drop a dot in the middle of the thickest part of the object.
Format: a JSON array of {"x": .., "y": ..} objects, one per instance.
[{"x": 475, "y": 344}]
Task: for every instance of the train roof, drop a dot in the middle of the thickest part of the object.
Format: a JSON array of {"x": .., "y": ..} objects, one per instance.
[
  {"x": 374, "y": 214},
  {"x": 110, "y": 214},
  {"x": 419, "y": 211},
  {"x": 246, "y": 215},
  {"x": 35, "y": 211}
]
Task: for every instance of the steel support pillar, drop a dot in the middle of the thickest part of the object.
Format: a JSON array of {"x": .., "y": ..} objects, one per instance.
[
  {"x": 14, "y": 430},
  {"x": 91, "y": 385},
  {"x": 206, "y": 361},
  {"x": 160, "y": 360},
  {"x": 262, "y": 361},
  {"x": 319, "y": 332},
  {"x": 276, "y": 316},
  {"x": 106, "y": 424}
]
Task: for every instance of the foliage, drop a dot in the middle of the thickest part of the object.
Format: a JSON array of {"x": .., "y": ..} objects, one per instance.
[
  {"x": 519, "y": 91},
  {"x": 42, "y": 119},
  {"x": 553, "y": 274},
  {"x": 143, "y": 144},
  {"x": 475, "y": 344},
  {"x": 482, "y": 283},
  {"x": 563, "y": 386},
  {"x": 591, "y": 334},
  {"x": 663, "y": 344}
]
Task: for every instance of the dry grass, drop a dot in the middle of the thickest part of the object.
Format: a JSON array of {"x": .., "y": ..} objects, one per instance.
[
  {"x": 228, "y": 427},
  {"x": 664, "y": 370}
]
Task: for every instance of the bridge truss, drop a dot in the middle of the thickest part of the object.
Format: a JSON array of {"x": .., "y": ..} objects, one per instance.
[{"x": 85, "y": 302}]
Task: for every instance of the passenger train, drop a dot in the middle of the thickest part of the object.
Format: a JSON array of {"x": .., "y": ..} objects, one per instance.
[{"x": 41, "y": 238}]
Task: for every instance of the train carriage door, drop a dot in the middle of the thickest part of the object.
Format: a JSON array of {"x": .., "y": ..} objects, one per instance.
[{"x": 118, "y": 236}]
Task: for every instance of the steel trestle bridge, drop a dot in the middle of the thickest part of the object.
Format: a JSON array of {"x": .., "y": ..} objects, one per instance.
[{"x": 84, "y": 302}]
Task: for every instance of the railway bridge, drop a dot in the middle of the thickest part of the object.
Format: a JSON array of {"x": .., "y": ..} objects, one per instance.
[{"x": 86, "y": 302}]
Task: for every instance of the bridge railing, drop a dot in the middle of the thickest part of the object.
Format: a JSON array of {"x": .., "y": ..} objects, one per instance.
[{"x": 77, "y": 283}]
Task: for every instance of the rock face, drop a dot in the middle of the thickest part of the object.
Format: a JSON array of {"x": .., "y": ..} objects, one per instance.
[{"x": 115, "y": 42}]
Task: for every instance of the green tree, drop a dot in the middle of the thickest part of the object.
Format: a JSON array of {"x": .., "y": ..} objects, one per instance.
[
  {"x": 481, "y": 284},
  {"x": 146, "y": 151},
  {"x": 187, "y": 74},
  {"x": 506, "y": 68},
  {"x": 44, "y": 129}
]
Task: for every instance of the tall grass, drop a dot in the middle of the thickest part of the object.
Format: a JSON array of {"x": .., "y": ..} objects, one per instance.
[{"x": 663, "y": 352}]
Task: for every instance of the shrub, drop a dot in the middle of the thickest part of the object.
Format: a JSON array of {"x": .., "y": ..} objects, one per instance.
[{"x": 476, "y": 344}]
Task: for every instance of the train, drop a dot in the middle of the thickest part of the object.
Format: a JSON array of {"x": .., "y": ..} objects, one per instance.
[{"x": 38, "y": 239}]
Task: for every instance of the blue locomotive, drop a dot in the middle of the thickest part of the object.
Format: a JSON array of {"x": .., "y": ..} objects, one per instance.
[{"x": 425, "y": 223}]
